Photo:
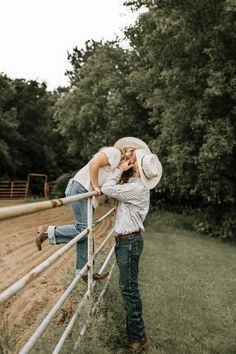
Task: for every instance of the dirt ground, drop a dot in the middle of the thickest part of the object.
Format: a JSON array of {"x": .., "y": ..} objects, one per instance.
[{"x": 18, "y": 255}]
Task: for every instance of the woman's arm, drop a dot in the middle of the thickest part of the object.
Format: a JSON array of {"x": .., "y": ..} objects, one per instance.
[{"x": 99, "y": 160}]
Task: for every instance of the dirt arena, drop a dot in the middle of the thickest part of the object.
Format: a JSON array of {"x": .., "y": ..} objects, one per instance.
[{"x": 18, "y": 255}]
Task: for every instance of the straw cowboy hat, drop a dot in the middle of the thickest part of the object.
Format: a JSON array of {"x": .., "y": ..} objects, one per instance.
[
  {"x": 131, "y": 142},
  {"x": 150, "y": 168}
]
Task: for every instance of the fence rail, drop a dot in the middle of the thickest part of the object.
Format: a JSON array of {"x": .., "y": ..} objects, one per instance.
[
  {"x": 13, "y": 189},
  {"x": 30, "y": 208}
]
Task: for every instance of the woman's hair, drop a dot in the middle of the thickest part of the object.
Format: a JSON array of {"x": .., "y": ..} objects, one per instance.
[
  {"x": 125, "y": 152},
  {"x": 126, "y": 176}
]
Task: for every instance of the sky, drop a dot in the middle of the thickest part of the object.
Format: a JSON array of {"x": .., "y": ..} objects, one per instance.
[{"x": 35, "y": 35}]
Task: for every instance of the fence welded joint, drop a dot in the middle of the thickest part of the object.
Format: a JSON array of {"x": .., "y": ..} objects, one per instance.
[{"x": 18, "y": 285}]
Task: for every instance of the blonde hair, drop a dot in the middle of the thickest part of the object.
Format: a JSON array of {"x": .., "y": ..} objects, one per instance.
[{"x": 125, "y": 152}]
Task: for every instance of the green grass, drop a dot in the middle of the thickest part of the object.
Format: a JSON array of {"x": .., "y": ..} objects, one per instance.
[
  {"x": 187, "y": 282},
  {"x": 188, "y": 287}
]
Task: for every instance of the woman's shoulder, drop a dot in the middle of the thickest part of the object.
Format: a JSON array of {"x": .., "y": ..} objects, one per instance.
[
  {"x": 111, "y": 150},
  {"x": 113, "y": 155}
]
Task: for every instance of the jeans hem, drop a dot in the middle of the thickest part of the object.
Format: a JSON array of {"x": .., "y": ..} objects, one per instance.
[{"x": 51, "y": 235}]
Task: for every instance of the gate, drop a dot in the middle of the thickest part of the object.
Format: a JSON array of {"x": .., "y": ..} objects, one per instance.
[
  {"x": 13, "y": 189},
  {"x": 20, "y": 189}
]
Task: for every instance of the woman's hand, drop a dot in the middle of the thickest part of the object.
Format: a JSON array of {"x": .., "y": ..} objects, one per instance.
[
  {"x": 98, "y": 189},
  {"x": 125, "y": 165}
]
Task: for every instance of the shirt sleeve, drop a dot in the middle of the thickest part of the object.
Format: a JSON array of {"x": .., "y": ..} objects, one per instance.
[
  {"x": 122, "y": 192},
  {"x": 113, "y": 155}
]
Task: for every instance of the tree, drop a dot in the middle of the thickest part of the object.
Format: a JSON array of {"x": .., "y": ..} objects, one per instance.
[
  {"x": 28, "y": 139},
  {"x": 9, "y": 138},
  {"x": 184, "y": 72},
  {"x": 100, "y": 106}
]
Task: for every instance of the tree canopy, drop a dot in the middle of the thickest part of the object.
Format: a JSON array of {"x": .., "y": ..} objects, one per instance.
[{"x": 174, "y": 87}]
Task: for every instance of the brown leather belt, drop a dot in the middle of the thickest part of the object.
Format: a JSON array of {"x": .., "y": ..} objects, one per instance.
[{"x": 127, "y": 236}]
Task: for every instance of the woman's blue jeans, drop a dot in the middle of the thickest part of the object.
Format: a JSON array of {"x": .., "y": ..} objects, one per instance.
[
  {"x": 65, "y": 233},
  {"x": 127, "y": 256}
]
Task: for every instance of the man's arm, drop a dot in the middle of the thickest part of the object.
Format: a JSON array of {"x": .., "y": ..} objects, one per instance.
[{"x": 122, "y": 192}]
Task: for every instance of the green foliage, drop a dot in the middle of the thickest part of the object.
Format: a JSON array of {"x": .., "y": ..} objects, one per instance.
[
  {"x": 29, "y": 141},
  {"x": 100, "y": 107},
  {"x": 9, "y": 138},
  {"x": 59, "y": 186},
  {"x": 32, "y": 102},
  {"x": 185, "y": 78}
]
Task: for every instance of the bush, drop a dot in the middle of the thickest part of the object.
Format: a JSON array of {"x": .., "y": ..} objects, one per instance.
[
  {"x": 214, "y": 222},
  {"x": 59, "y": 186},
  {"x": 217, "y": 223}
]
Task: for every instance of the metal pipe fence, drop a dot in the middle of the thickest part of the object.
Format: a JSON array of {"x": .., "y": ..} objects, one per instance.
[
  {"x": 79, "y": 308},
  {"x": 30, "y": 208},
  {"x": 95, "y": 307}
]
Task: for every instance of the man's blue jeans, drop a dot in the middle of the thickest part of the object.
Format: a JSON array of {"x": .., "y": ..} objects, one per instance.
[
  {"x": 65, "y": 233},
  {"x": 127, "y": 256}
]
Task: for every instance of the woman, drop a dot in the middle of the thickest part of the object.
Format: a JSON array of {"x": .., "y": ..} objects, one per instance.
[{"x": 90, "y": 177}]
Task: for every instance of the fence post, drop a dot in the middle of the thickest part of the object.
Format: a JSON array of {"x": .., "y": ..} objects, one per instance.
[
  {"x": 90, "y": 247},
  {"x": 12, "y": 186}
]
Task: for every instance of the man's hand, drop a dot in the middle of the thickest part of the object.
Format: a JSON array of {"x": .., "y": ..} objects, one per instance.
[{"x": 125, "y": 165}]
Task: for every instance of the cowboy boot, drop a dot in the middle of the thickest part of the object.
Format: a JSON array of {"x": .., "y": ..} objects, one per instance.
[
  {"x": 96, "y": 276},
  {"x": 137, "y": 347},
  {"x": 41, "y": 236}
]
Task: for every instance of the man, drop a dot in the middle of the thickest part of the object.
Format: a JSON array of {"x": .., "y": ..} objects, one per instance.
[{"x": 133, "y": 205}]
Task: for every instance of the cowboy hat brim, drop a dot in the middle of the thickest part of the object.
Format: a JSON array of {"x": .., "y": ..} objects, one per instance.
[
  {"x": 131, "y": 142},
  {"x": 149, "y": 183}
]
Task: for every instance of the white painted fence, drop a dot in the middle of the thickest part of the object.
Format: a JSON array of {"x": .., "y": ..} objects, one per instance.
[{"x": 30, "y": 208}]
